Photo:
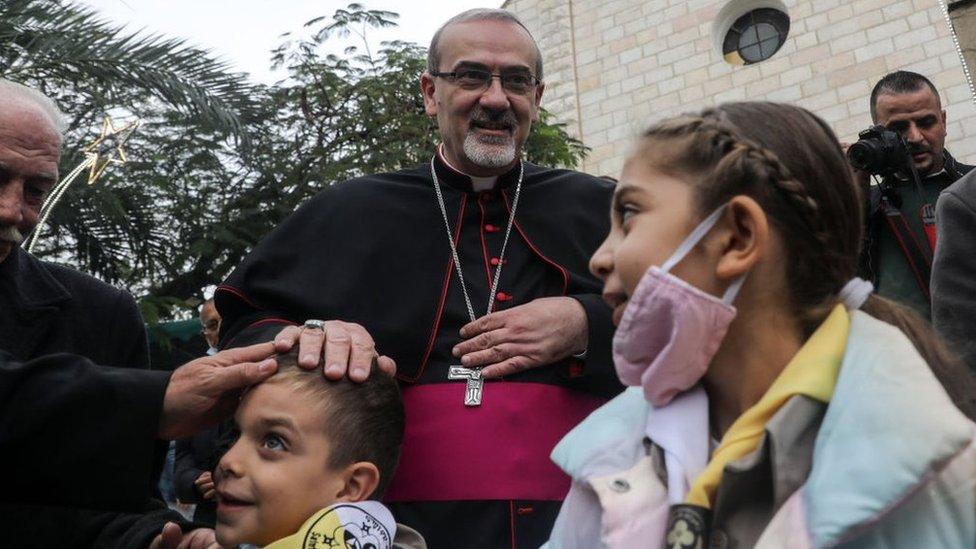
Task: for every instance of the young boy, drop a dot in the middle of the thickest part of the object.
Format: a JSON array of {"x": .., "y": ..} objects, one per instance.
[{"x": 305, "y": 444}]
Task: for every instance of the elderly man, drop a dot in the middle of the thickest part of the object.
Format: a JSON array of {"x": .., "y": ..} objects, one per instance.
[
  {"x": 900, "y": 236},
  {"x": 472, "y": 266},
  {"x": 46, "y": 309}
]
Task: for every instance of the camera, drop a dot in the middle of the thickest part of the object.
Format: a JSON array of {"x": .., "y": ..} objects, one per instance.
[{"x": 880, "y": 151}]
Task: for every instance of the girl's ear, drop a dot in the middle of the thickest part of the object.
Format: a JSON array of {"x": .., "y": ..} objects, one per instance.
[
  {"x": 360, "y": 481},
  {"x": 745, "y": 240}
]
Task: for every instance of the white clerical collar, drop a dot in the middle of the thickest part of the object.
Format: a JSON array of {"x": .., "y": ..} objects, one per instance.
[{"x": 478, "y": 184}]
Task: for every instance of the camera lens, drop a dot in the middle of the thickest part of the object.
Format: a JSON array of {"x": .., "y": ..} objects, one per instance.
[{"x": 861, "y": 155}]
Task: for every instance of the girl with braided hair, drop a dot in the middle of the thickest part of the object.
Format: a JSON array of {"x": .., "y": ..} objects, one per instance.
[{"x": 774, "y": 401}]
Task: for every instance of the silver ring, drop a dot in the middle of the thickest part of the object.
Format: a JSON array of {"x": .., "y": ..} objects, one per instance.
[{"x": 315, "y": 325}]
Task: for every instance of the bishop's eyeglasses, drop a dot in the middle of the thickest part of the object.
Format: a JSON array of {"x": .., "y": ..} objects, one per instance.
[{"x": 479, "y": 79}]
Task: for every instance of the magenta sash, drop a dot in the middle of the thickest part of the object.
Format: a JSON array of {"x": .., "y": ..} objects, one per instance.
[{"x": 499, "y": 450}]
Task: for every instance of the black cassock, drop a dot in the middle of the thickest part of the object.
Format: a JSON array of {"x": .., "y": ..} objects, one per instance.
[{"x": 374, "y": 250}]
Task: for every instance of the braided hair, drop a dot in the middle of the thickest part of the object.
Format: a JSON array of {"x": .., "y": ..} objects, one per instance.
[{"x": 790, "y": 162}]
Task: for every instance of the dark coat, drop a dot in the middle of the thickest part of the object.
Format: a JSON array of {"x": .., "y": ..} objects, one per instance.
[
  {"x": 954, "y": 268},
  {"x": 875, "y": 229},
  {"x": 39, "y": 403},
  {"x": 47, "y": 309}
]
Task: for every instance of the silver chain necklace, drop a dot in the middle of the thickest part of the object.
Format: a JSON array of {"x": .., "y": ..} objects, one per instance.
[
  {"x": 474, "y": 383},
  {"x": 454, "y": 252}
]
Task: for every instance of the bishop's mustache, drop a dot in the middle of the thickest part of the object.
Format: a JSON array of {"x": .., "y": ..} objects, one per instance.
[
  {"x": 494, "y": 119},
  {"x": 11, "y": 234}
]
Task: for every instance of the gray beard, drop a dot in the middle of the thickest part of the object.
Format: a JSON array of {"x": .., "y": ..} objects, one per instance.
[
  {"x": 11, "y": 234},
  {"x": 489, "y": 152}
]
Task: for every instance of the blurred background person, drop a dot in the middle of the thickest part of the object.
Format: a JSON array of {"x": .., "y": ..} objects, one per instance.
[{"x": 197, "y": 456}]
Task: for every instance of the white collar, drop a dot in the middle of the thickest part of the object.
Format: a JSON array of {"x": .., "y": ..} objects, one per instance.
[
  {"x": 681, "y": 429},
  {"x": 478, "y": 184}
]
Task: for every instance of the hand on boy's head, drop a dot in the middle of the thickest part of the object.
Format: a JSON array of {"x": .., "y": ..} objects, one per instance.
[
  {"x": 345, "y": 347},
  {"x": 206, "y": 390}
]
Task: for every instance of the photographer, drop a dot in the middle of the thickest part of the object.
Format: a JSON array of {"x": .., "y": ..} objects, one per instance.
[{"x": 913, "y": 169}]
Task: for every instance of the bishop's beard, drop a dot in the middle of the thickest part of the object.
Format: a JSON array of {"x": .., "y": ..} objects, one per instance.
[
  {"x": 11, "y": 234},
  {"x": 490, "y": 151}
]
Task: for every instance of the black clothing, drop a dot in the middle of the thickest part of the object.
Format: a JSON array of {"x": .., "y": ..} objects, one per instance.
[
  {"x": 63, "y": 441},
  {"x": 374, "y": 250},
  {"x": 882, "y": 260},
  {"x": 954, "y": 269},
  {"x": 62, "y": 438},
  {"x": 47, "y": 309},
  {"x": 194, "y": 456}
]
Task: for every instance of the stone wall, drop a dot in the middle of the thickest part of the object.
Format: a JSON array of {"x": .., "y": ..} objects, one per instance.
[
  {"x": 613, "y": 66},
  {"x": 963, "y": 14}
]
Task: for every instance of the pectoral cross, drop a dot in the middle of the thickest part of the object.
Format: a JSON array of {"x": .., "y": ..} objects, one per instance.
[{"x": 475, "y": 383}]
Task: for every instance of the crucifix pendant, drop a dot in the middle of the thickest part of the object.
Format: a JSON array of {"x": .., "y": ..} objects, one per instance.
[{"x": 475, "y": 383}]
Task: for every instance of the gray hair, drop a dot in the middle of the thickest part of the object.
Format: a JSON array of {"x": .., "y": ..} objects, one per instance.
[
  {"x": 14, "y": 91},
  {"x": 478, "y": 14}
]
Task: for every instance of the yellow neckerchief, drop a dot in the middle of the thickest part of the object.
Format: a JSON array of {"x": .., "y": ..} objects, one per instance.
[
  {"x": 812, "y": 372},
  {"x": 344, "y": 526}
]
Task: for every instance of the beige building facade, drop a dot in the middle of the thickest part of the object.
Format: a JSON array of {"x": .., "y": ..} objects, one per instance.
[
  {"x": 615, "y": 66},
  {"x": 963, "y": 16}
]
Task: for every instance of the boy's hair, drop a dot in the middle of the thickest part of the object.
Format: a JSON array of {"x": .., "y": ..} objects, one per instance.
[
  {"x": 363, "y": 421},
  {"x": 789, "y": 161}
]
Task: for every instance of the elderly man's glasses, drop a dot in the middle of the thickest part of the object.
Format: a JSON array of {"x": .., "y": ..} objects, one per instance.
[{"x": 478, "y": 79}]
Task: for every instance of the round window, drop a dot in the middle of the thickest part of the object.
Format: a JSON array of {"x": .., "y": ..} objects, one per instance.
[{"x": 755, "y": 36}]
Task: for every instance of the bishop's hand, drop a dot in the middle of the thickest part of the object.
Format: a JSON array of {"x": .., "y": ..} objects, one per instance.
[
  {"x": 347, "y": 346},
  {"x": 540, "y": 332}
]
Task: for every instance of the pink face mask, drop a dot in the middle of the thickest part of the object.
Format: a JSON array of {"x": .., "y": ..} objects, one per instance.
[{"x": 670, "y": 330}]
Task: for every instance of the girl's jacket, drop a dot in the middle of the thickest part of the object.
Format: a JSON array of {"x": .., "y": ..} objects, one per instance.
[{"x": 888, "y": 463}]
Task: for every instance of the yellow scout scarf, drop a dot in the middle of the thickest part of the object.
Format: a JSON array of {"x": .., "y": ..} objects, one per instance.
[
  {"x": 344, "y": 526},
  {"x": 812, "y": 372}
]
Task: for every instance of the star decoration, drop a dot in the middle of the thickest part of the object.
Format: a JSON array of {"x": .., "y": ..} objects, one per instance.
[{"x": 107, "y": 148}]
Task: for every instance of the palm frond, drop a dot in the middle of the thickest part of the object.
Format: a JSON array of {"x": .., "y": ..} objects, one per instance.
[{"x": 52, "y": 39}]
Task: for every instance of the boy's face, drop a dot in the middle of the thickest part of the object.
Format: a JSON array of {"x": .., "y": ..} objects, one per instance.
[{"x": 276, "y": 475}]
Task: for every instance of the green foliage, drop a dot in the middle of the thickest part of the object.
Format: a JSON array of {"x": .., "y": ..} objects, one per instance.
[
  {"x": 124, "y": 228},
  {"x": 549, "y": 144},
  {"x": 218, "y": 162}
]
